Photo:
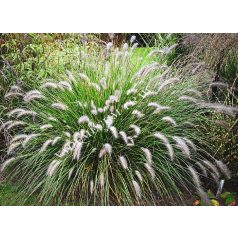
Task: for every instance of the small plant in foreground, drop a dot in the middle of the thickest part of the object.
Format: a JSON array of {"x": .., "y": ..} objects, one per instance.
[
  {"x": 224, "y": 199},
  {"x": 118, "y": 132}
]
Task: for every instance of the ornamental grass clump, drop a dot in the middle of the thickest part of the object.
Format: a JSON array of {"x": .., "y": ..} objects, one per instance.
[{"x": 120, "y": 131}]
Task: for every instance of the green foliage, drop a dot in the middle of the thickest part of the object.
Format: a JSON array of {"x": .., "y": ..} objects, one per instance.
[
  {"x": 9, "y": 196},
  {"x": 120, "y": 130},
  {"x": 225, "y": 199}
]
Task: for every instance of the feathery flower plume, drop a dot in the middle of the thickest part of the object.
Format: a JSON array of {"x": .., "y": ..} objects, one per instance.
[
  {"x": 166, "y": 143},
  {"x": 133, "y": 38},
  {"x": 137, "y": 188},
  {"x": 182, "y": 145},
  {"x": 26, "y": 112},
  {"x": 55, "y": 140},
  {"x": 60, "y": 106},
  {"x": 53, "y": 167},
  {"x": 103, "y": 83},
  {"x": 45, "y": 145},
  {"x": 67, "y": 134},
  {"x": 203, "y": 169},
  {"x": 114, "y": 131},
  {"x": 6, "y": 163},
  {"x": 70, "y": 76},
  {"x": 125, "y": 47},
  {"x": 70, "y": 173},
  {"x": 189, "y": 124},
  {"x": 117, "y": 95},
  {"x": 102, "y": 153},
  {"x": 76, "y": 136},
  {"x": 215, "y": 178},
  {"x": 189, "y": 99},
  {"x": 15, "y": 88},
  {"x": 154, "y": 52},
  {"x": 148, "y": 155},
  {"x": 129, "y": 104},
  {"x": 16, "y": 123},
  {"x": 150, "y": 170},
  {"x": 168, "y": 50},
  {"x": 12, "y": 94},
  {"x": 167, "y": 83},
  {"x": 109, "y": 121},
  {"x": 138, "y": 114},
  {"x": 93, "y": 107},
  {"x": 98, "y": 127},
  {"x": 170, "y": 120},
  {"x": 158, "y": 107},
  {"x": 52, "y": 118},
  {"x": 102, "y": 181},
  {"x": 133, "y": 48},
  {"x": 12, "y": 147},
  {"x": 28, "y": 139},
  {"x": 149, "y": 94},
  {"x": 49, "y": 85},
  {"x": 112, "y": 109},
  {"x": 111, "y": 35},
  {"x": 131, "y": 91},
  {"x": 84, "y": 77},
  {"x": 145, "y": 70},
  {"x": 108, "y": 148},
  {"x": 15, "y": 111},
  {"x": 232, "y": 111},
  {"x": 18, "y": 137},
  {"x": 212, "y": 167},
  {"x": 139, "y": 176},
  {"x": 65, "y": 85},
  {"x": 195, "y": 177},
  {"x": 107, "y": 66},
  {"x": 46, "y": 126},
  {"x": 96, "y": 86},
  {"x": 224, "y": 169},
  {"x": 65, "y": 149},
  {"x": 124, "y": 136},
  {"x": 203, "y": 196},
  {"x": 190, "y": 143},
  {"x": 77, "y": 147},
  {"x": 83, "y": 119},
  {"x": 136, "y": 129},
  {"x": 82, "y": 134},
  {"x": 33, "y": 97},
  {"x": 123, "y": 162},
  {"x": 4, "y": 125},
  {"x": 109, "y": 46},
  {"x": 148, "y": 69},
  {"x": 91, "y": 187},
  {"x": 30, "y": 95}
]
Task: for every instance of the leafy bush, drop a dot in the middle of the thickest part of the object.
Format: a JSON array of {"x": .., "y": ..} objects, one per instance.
[{"x": 122, "y": 130}]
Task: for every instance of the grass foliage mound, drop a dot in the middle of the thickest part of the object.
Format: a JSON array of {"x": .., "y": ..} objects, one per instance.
[{"x": 122, "y": 130}]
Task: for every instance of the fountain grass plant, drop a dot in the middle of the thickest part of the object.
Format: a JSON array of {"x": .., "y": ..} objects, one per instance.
[{"x": 122, "y": 130}]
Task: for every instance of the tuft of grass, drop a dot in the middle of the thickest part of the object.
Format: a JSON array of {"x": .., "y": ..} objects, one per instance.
[
  {"x": 9, "y": 196},
  {"x": 121, "y": 130}
]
